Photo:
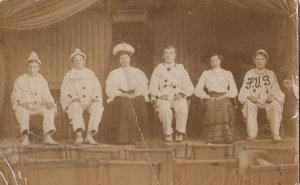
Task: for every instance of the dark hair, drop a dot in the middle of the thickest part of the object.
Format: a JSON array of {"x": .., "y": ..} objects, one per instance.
[
  {"x": 218, "y": 55},
  {"x": 119, "y": 53},
  {"x": 170, "y": 47},
  {"x": 32, "y": 61},
  {"x": 79, "y": 55}
]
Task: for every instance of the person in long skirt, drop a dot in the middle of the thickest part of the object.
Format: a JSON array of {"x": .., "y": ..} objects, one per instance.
[
  {"x": 126, "y": 117},
  {"x": 216, "y": 87}
]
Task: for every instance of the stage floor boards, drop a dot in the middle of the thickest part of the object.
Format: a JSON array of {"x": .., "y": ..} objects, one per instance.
[{"x": 181, "y": 149}]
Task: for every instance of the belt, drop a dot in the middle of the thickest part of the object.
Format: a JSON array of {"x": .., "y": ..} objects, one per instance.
[
  {"x": 216, "y": 94},
  {"x": 128, "y": 92}
]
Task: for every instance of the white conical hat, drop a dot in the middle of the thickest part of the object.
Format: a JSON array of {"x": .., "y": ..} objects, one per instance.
[
  {"x": 33, "y": 56},
  {"x": 122, "y": 47},
  {"x": 77, "y": 52}
]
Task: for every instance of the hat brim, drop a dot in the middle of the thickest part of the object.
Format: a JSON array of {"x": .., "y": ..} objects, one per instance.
[
  {"x": 74, "y": 54},
  {"x": 123, "y": 52},
  {"x": 34, "y": 60}
]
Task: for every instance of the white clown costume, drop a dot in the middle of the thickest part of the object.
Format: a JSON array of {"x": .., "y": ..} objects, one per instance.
[
  {"x": 34, "y": 91},
  {"x": 171, "y": 80},
  {"x": 78, "y": 89},
  {"x": 261, "y": 84}
]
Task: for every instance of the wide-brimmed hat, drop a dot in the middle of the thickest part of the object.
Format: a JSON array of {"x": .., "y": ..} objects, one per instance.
[{"x": 123, "y": 48}]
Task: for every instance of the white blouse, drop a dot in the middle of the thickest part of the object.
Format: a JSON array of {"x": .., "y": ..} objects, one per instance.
[
  {"x": 129, "y": 78},
  {"x": 216, "y": 80}
]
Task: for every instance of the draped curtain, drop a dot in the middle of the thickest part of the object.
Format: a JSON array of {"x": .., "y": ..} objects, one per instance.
[
  {"x": 22, "y": 15},
  {"x": 286, "y": 11},
  {"x": 286, "y": 8}
]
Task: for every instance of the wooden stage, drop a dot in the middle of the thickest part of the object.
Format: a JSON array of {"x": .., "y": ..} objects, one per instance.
[{"x": 184, "y": 163}]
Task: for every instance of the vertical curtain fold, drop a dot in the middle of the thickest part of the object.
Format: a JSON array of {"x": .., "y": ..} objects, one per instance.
[
  {"x": 286, "y": 10},
  {"x": 22, "y": 15}
]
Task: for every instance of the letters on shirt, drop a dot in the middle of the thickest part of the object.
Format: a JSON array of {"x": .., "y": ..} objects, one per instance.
[{"x": 256, "y": 81}]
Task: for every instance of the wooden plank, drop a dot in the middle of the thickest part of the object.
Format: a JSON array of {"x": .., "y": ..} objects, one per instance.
[
  {"x": 53, "y": 58},
  {"x": 95, "y": 41},
  {"x": 48, "y": 48},
  {"x": 89, "y": 41},
  {"x": 72, "y": 28},
  {"x": 163, "y": 155},
  {"x": 66, "y": 47},
  {"x": 188, "y": 172},
  {"x": 286, "y": 174},
  {"x": 49, "y": 172},
  {"x": 181, "y": 28},
  {"x": 156, "y": 37},
  {"x": 83, "y": 35},
  {"x": 77, "y": 27},
  {"x": 94, "y": 153},
  {"x": 107, "y": 39},
  {"x": 104, "y": 67},
  {"x": 60, "y": 53}
]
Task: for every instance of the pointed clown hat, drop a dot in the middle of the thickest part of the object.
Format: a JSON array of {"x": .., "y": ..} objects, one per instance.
[{"x": 33, "y": 57}]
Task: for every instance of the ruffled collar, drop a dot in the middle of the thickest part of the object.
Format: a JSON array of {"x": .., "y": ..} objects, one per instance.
[
  {"x": 33, "y": 83},
  {"x": 172, "y": 65},
  {"x": 80, "y": 73},
  {"x": 260, "y": 71}
]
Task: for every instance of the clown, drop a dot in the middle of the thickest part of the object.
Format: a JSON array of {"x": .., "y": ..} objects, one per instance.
[
  {"x": 260, "y": 90},
  {"x": 170, "y": 85},
  {"x": 80, "y": 91},
  {"x": 31, "y": 96}
]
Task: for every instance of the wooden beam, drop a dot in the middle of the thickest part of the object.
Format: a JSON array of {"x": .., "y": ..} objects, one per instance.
[
  {"x": 107, "y": 6},
  {"x": 147, "y": 4}
]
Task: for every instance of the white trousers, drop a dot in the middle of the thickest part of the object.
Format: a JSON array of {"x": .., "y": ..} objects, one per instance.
[
  {"x": 165, "y": 114},
  {"x": 274, "y": 117},
  {"x": 23, "y": 116},
  {"x": 75, "y": 111}
]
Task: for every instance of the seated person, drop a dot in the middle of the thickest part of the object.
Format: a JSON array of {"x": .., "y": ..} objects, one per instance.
[
  {"x": 31, "y": 96},
  {"x": 126, "y": 117},
  {"x": 170, "y": 85},
  {"x": 290, "y": 115},
  {"x": 260, "y": 90},
  {"x": 292, "y": 84},
  {"x": 218, "y": 109},
  {"x": 81, "y": 90}
]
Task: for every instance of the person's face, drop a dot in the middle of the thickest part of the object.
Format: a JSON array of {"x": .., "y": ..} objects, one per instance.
[
  {"x": 260, "y": 61},
  {"x": 215, "y": 62},
  {"x": 169, "y": 55},
  {"x": 78, "y": 62},
  {"x": 288, "y": 84},
  {"x": 33, "y": 68},
  {"x": 124, "y": 60}
]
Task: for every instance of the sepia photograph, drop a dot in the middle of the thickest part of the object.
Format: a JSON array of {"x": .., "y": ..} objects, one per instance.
[{"x": 149, "y": 92}]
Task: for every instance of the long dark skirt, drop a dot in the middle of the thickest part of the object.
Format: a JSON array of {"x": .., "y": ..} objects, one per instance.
[
  {"x": 219, "y": 118},
  {"x": 123, "y": 119}
]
